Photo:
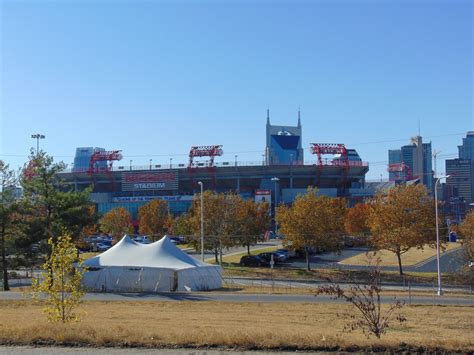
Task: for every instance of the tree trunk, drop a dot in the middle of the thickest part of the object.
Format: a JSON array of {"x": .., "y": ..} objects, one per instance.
[
  {"x": 6, "y": 287},
  {"x": 248, "y": 248},
  {"x": 216, "y": 254},
  {"x": 308, "y": 265},
  {"x": 220, "y": 252},
  {"x": 399, "y": 257}
]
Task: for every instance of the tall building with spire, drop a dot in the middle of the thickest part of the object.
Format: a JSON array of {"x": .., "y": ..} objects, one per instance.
[{"x": 284, "y": 143}]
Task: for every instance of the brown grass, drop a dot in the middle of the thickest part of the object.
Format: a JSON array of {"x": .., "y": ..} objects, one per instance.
[
  {"x": 410, "y": 258},
  {"x": 225, "y": 324}
]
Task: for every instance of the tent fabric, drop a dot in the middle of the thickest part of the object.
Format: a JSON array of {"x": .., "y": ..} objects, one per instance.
[{"x": 158, "y": 267}]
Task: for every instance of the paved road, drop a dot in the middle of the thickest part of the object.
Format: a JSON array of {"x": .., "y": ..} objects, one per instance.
[
  {"x": 10, "y": 350},
  {"x": 237, "y": 297},
  {"x": 450, "y": 261}
]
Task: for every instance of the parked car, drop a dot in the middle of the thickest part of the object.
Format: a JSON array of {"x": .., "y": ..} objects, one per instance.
[
  {"x": 101, "y": 247},
  {"x": 252, "y": 260},
  {"x": 282, "y": 255},
  {"x": 268, "y": 257},
  {"x": 179, "y": 239},
  {"x": 143, "y": 239}
]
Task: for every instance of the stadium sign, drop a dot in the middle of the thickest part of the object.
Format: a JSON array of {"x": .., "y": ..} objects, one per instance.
[
  {"x": 151, "y": 198},
  {"x": 263, "y": 196},
  {"x": 149, "y": 181}
]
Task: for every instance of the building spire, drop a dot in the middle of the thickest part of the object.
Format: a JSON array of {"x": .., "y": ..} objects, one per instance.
[
  {"x": 299, "y": 116},
  {"x": 268, "y": 116}
]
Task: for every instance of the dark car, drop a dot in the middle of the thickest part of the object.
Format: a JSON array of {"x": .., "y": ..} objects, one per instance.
[
  {"x": 252, "y": 260},
  {"x": 268, "y": 257}
]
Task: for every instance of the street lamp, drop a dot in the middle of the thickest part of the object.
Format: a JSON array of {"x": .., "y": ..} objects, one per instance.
[
  {"x": 38, "y": 136},
  {"x": 202, "y": 220},
  {"x": 275, "y": 180},
  {"x": 171, "y": 162},
  {"x": 235, "y": 160},
  {"x": 150, "y": 164},
  {"x": 440, "y": 291},
  {"x": 130, "y": 164}
]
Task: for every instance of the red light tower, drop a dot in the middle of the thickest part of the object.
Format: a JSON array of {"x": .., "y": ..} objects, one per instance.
[
  {"x": 108, "y": 156},
  {"x": 403, "y": 169},
  {"x": 210, "y": 151},
  {"x": 331, "y": 148}
]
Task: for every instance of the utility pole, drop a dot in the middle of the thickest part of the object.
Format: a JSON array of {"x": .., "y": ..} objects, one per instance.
[{"x": 202, "y": 220}]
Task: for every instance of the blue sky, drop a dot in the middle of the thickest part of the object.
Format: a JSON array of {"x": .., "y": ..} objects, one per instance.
[{"x": 153, "y": 78}]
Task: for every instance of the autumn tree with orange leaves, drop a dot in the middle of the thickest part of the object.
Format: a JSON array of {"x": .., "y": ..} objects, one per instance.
[
  {"x": 467, "y": 233},
  {"x": 116, "y": 222},
  {"x": 313, "y": 222},
  {"x": 153, "y": 218},
  {"x": 254, "y": 220},
  {"x": 401, "y": 219},
  {"x": 356, "y": 222}
]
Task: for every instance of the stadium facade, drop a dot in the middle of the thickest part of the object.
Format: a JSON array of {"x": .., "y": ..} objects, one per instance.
[{"x": 281, "y": 175}]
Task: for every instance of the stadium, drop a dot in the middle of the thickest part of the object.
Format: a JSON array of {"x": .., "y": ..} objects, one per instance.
[{"x": 282, "y": 174}]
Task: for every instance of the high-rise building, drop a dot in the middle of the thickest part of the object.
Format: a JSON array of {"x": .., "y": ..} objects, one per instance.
[
  {"x": 466, "y": 149},
  {"x": 412, "y": 161},
  {"x": 395, "y": 172},
  {"x": 83, "y": 157},
  {"x": 284, "y": 146},
  {"x": 461, "y": 172}
]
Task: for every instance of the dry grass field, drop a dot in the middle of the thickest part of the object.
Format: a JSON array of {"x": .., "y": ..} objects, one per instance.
[
  {"x": 412, "y": 257},
  {"x": 232, "y": 325}
]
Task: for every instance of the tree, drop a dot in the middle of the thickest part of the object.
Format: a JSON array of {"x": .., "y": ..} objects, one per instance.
[
  {"x": 8, "y": 207},
  {"x": 313, "y": 222},
  {"x": 402, "y": 219},
  {"x": 467, "y": 233},
  {"x": 221, "y": 221},
  {"x": 356, "y": 222},
  {"x": 153, "y": 218},
  {"x": 366, "y": 300},
  {"x": 64, "y": 294},
  {"x": 50, "y": 205},
  {"x": 254, "y": 221},
  {"x": 116, "y": 222}
]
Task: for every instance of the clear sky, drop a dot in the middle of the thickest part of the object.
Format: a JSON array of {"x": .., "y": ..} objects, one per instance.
[{"x": 153, "y": 78}]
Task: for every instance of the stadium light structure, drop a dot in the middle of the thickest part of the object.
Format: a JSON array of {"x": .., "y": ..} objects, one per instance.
[
  {"x": 202, "y": 220},
  {"x": 440, "y": 291},
  {"x": 38, "y": 136}
]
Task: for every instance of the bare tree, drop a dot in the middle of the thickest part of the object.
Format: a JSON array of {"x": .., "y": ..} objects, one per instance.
[{"x": 369, "y": 316}]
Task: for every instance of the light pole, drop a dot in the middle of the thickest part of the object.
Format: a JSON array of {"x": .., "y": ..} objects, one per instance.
[
  {"x": 171, "y": 162},
  {"x": 38, "y": 136},
  {"x": 275, "y": 180},
  {"x": 150, "y": 164},
  {"x": 202, "y": 220},
  {"x": 130, "y": 164},
  {"x": 235, "y": 160},
  {"x": 440, "y": 291}
]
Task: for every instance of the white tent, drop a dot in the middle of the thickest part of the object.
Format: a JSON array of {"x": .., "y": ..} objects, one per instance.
[{"x": 158, "y": 267}]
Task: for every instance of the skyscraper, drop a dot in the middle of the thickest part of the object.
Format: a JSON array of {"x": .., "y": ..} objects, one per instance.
[
  {"x": 83, "y": 157},
  {"x": 466, "y": 149},
  {"x": 462, "y": 170},
  {"x": 284, "y": 146}
]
